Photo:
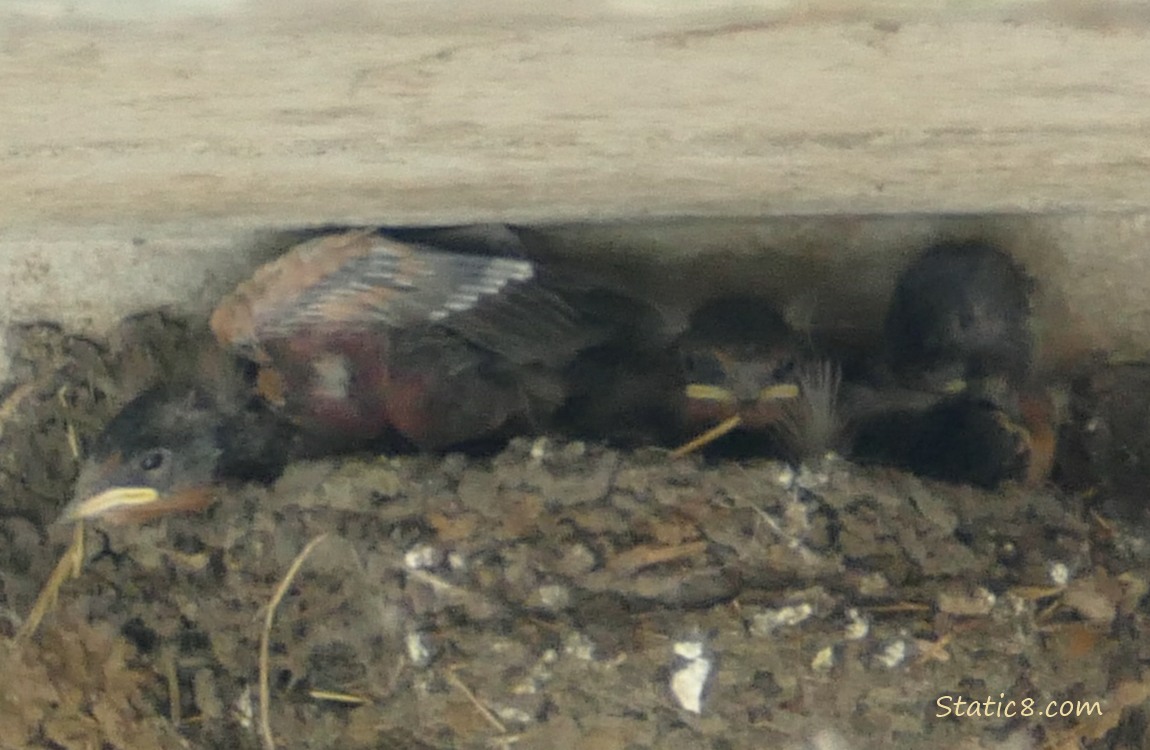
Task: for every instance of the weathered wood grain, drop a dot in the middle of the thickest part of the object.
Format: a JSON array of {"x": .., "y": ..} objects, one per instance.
[{"x": 427, "y": 117}]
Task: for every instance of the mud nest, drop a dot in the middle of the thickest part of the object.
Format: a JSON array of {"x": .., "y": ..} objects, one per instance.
[{"x": 567, "y": 594}]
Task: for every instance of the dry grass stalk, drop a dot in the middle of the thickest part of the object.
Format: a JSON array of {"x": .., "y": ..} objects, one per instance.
[{"x": 265, "y": 639}]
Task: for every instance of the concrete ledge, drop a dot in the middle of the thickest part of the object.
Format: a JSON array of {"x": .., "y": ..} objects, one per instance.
[{"x": 1093, "y": 268}]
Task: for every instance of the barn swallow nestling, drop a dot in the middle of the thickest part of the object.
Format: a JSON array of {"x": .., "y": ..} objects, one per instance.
[
  {"x": 959, "y": 319},
  {"x": 745, "y": 369},
  {"x": 959, "y": 327},
  {"x": 359, "y": 338},
  {"x": 166, "y": 451}
]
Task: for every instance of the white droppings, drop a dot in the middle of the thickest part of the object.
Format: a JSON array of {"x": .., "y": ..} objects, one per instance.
[
  {"x": 767, "y": 622},
  {"x": 418, "y": 652},
  {"x": 1059, "y": 573},
  {"x": 786, "y": 477},
  {"x": 689, "y": 649},
  {"x": 893, "y": 655},
  {"x": 513, "y": 715},
  {"x": 579, "y": 646},
  {"x": 422, "y": 557},
  {"x": 824, "y": 660},
  {"x": 689, "y": 679},
  {"x": 857, "y": 626}
]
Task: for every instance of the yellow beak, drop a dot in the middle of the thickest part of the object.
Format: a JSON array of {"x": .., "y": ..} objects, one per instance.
[
  {"x": 779, "y": 392},
  {"x": 702, "y": 392},
  {"x": 116, "y": 498}
]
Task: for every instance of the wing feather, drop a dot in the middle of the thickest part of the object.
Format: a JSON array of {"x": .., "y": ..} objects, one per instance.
[{"x": 361, "y": 280}]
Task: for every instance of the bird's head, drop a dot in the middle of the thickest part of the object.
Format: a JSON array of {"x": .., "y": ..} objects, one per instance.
[
  {"x": 723, "y": 381},
  {"x": 959, "y": 319},
  {"x": 161, "y": 454},
  {"x": 739, "y": 359}
]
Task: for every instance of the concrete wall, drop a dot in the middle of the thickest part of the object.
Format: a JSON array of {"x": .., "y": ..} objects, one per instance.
[{"x": 150, "y": 150}]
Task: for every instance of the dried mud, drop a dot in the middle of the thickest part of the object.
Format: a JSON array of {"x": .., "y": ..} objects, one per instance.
[{"x": 558, "y": 594}]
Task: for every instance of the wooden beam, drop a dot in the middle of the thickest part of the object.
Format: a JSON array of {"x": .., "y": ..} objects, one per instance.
[{"x": 390, "y": 113}]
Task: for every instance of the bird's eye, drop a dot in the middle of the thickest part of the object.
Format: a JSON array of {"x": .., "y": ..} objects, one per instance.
[
  {"x": 704, "y": 367},
  {"x": 153, "y": 460}
]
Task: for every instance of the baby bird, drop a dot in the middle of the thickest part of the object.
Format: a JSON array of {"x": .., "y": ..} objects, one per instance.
[
  {"x": 958, "y": 342},
  {"x": 745, "y": 369},
  {"x": 959, "y": 321},
  {"x": 359, "y": 337}
]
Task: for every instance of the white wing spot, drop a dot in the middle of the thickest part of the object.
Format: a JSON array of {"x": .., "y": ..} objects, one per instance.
[{"x": 333, "y": 376}]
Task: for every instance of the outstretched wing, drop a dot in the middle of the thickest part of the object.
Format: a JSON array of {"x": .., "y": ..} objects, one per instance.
[{"x": 362, "y": 281}]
